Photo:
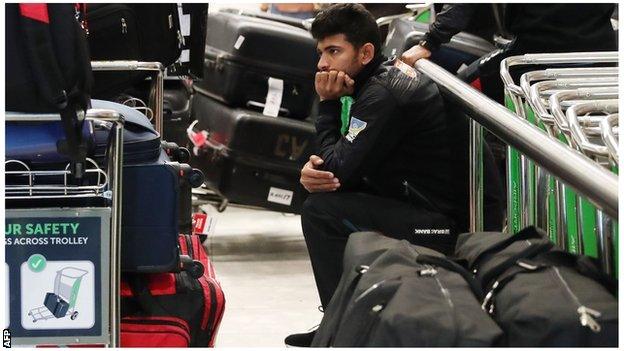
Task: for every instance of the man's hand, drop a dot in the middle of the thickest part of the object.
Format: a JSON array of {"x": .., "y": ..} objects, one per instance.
[
  {"x": 333, "y": 85},
  {"x": 315, "y": 181},
  {"x": 414, "y": 54}
]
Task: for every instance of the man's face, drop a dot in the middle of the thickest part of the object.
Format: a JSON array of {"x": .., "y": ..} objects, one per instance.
[{"x": 336, "y": 53}]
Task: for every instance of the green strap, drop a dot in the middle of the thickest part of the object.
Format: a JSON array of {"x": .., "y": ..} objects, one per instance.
[{"x": 345, "y": 115}]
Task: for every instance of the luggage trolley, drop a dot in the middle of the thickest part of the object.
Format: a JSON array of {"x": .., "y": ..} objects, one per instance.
[
  {"x": 51, "y": 186},
  {"x": 586, "y": 138},
  {"x": 552, "y": 210},
  {"x": 568, "y": 200},
  {"x": 521, "y": 199},
  {"x": 66, "y": 287}
]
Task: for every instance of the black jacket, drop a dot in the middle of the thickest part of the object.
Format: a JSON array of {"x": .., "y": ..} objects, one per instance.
[
  {"x": 537, "y": 27},
  {"x": 405, "y": 134}
]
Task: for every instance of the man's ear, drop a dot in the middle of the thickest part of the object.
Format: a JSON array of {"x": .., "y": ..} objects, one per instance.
[{"x": 367, "y": 52}]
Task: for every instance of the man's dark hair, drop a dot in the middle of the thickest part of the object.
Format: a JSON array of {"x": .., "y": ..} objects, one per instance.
[{"x": 352, "y": 20}]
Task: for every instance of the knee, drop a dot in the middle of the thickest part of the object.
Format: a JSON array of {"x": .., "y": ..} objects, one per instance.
[{"x": 314, "y": 205}]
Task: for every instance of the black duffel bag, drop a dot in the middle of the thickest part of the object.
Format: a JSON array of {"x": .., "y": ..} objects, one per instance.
[
  {"x": 400, "y": 295},
  {"x": 541, "y": 296}
]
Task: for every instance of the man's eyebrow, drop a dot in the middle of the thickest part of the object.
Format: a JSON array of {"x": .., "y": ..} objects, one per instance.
[{"x": 331, "y": 47}]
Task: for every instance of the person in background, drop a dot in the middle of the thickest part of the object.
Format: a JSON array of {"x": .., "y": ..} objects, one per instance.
[
  {"x": 533, "y": 28},
  {"x": 388, "y": 157},
  {"x": 296, "y": 10}
]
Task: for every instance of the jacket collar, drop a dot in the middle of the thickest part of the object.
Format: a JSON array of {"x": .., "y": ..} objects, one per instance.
[{"x": 366, "y": 72}]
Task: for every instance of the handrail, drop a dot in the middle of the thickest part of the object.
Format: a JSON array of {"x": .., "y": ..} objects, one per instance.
[
  {"x": 608, "y": 136},
  {"x": 579, "y": 137},
  {"x": 576, "y": 94},
  {"x": 536, "y": 90},
  {"x": 560, "y": 74},
  {"x": 546, "y": 59},
  {"x": 597, "y": 184}
]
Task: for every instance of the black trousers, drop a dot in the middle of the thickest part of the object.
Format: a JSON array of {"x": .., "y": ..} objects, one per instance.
[{"x": 328, "y": 219}]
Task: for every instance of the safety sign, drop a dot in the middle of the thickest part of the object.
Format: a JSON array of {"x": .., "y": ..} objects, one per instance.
[{"x": 58, "y": 273}]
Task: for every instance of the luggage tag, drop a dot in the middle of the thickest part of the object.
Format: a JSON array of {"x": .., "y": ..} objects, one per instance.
[
  {"x": 198, "y": 139},
  {"x": 204, "y": 223},
  {"x": 274, "y": 97}
]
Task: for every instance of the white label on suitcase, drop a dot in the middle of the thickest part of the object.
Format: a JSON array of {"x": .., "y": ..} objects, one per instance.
[
  {"x": 239, "y": 42},
  {"x": 280, "y": 196},
  {"x": 185, "y": 56},
  {"x": 185, "y": 22},
  {"x": 274, "y": 97}
]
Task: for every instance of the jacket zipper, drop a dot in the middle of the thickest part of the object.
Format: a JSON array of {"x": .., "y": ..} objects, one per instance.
[{"x": 586, "y": 314}]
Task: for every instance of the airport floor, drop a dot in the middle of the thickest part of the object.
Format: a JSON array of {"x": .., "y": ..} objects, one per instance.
[{"x": 262, "y": 262}]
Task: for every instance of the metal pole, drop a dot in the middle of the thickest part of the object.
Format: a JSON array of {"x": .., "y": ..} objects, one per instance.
[
  {"x": 115, "y": 168},
  {"x": 605, "y": 241},
  {"x": 476, "y": 177},
  {"x": 597, "y": 184}
]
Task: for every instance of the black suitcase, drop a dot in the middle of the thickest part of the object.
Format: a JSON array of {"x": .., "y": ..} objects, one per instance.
[
  {"x": 243, "y": 52},
  {"x": 56, "y": 305},
  {"x": 177, "y": 102},
  {"x": 463, "y": 48},
  {"x": 141, "y": 32},
  {"x": 250, "y": 158}
]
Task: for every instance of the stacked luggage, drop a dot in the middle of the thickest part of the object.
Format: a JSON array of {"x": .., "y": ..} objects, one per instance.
[
  {"x": 158, "y": 247},
  {"x": 258, "y": 89},
  {"x": 500, "y": 289}
]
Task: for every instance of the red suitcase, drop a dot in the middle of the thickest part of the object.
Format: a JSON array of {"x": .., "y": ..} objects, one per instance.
[{"x": 156, "y": 307}]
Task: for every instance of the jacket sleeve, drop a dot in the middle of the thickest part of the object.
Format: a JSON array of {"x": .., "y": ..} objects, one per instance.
[
  {"x": 370, "y": 137},
  {"x": 453, "y": 19}
]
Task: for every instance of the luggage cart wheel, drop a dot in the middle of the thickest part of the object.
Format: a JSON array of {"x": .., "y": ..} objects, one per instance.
[{"x": 74, "y": 315}]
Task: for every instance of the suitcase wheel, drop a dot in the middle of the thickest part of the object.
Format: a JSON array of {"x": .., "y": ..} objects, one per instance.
[
  {"x": 196, "y": 178},
  {"x": 196, "y": 269},
  {"x": 74, "y": 315}
]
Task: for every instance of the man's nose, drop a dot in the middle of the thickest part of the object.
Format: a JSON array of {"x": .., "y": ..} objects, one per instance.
[{"x": 322, "y": 64}]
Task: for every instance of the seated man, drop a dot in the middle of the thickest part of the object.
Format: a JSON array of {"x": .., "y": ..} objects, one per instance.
[{"x": 394, "y": 165}]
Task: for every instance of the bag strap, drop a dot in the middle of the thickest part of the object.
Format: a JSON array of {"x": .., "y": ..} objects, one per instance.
[
  {"x": 529, "y": 252},
  {"x": 140, "y": 289},
  {"x": 35, "y": 23},
  {"x": 453, "y": 267}
]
